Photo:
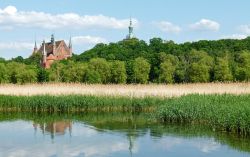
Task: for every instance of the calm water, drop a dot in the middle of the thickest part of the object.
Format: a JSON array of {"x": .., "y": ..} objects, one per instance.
[{"x": 111, "y": 135}]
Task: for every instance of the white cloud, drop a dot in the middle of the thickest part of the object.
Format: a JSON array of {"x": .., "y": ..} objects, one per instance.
[
  {"x": 168, "y": 27},
  {"x": 245, "y": 29},
  {"x": 235, "y": 36},
  {"x": 205, "y": 25},
  {"x": 10, "y": 16},
  {"x": 16, "y": 46},
  {"x": 83, "y": 40}
]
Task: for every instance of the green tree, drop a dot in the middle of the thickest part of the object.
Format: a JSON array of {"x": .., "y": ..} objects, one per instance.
[
  {"x": 93, "y": 77},
  {"x": 118, "y": 72},
  {"x": 222, "y": 71},
  {"x": 98, "y": 67},
  {"x": 4, "y": 77},
  {"x": 199, "y": 73},
  {"x": 56, "y": 72},
  {"x": 243, "y": 67},
  {"x": 27, "y": 75},
  {"x": 42, "y": 75},
  {"x": 75, "y": 72},
  {"x": 141, "y": 69},
  {"x": 14, "y": 69},
  {"x": 167, "y": 68},
  {"x": 200, "y": 66}
]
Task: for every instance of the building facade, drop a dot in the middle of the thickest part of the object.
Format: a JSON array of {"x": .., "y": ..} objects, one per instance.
[{"x": 53, "y": 51}]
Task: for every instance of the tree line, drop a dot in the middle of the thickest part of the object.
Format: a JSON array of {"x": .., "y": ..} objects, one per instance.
[{"x": 135, "y": 61}]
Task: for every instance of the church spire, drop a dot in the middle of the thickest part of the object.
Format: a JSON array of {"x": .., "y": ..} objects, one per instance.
[
  {"x": 44, "y": 54},
  {"x": 70, "y": 46},
  {"x": 53, "y": 42},
  {"x": 35, "y": 48},
  {"x": 52, "y": 38}
]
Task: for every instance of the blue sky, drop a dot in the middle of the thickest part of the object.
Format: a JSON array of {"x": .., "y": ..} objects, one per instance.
[{"x": 92, "y": 21}]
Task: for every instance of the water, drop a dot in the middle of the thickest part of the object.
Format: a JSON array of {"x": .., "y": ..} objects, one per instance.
[{"x": 111, "y": 135}]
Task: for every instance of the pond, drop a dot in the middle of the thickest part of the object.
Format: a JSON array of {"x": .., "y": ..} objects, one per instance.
[{"x": 112, "y": 135}]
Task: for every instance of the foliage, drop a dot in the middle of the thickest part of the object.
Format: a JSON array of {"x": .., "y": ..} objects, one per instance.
[
  {"x": 98, "y": 71},
  {"x": 118, "y": 72},
  {"x": 230, "y": 113},
  {"x": 135, "y": 61},
  {"x": 141, "y": 69},
  {"x": 167, "y": 68},
  {"x": 243, "y": 69},
  {"x": 3, "y": 73},
  {"x": 222, "y": 70}
]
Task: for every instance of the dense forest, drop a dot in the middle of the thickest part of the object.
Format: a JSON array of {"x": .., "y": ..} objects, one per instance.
[{"x": 135, "y": 61}]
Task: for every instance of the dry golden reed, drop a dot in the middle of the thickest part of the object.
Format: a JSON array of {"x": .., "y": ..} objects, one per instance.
[{"x": 175, "y": 90}]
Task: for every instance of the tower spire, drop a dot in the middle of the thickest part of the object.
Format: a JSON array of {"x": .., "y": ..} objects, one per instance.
[
  {"x": 70, "y": 46},
  {"x": 35, "y": 47},
  {"x": 131, "y": 29},
  {"x": 53, "y": 42},
  {"x": 44, "y": 55}
]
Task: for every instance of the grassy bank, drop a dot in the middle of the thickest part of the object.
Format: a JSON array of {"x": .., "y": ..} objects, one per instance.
[{"x": 229, "y": 113}]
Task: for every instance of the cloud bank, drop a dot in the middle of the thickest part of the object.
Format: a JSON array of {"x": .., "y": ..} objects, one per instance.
[
  {"x": 205, "y": 25},
  {"x": 11, "y": 17},
  {"x": 167, "y": 27}
]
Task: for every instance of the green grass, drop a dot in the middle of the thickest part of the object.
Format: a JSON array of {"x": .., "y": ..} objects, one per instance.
[
  {"x": 228, "y": 113},
  {"x": 224, "y": 112},
  {"x": 75, "y": 103}
]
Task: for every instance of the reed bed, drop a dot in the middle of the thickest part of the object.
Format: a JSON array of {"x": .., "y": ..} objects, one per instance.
[
  {"x": 77, "y": 103},
  {"x": 125, "y": 90},
  {"x": 230, "y": 113}
]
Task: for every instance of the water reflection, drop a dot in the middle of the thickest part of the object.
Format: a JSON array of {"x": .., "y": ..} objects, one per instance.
[
  {"x": 117, "y": 134},
  {"x": 54, "y": 128}
]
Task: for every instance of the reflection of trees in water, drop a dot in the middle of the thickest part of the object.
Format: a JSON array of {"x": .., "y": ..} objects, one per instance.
[
  {"x": 128, "y": 124},
  {"x": 54, "y": 128}
]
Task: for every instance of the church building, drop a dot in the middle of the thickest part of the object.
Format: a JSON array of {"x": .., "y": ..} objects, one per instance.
[{"x": 53, "y": 51}]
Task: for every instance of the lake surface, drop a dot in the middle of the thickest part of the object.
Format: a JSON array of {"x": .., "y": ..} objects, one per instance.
[{"x": 111, "y": 135}]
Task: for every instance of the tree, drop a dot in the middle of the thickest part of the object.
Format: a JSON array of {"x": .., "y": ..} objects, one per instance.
[
  {"x": 4, "y": 77},
  {"x": 75, "y": 72},
  {"x": 93, "y": 77},
  {"x": 118, "y": 72},
  {"x": 243, "y": 67},
  {"x": 200, "y": 66},
  {"x": 14, "y": 69},
  {"x": 56, "y": 72},
  {"x": 42, "y": 75},
  {"x": 28, "y": 75},
  {"x": 141, "y": 69},
  {"x": 199, "y": 73},
  {"x": 98, "y": 67},
  {"x": 222, "y": 71},
  {"x": 167, "y": 68},
  {"x": 181, "y": 71}
]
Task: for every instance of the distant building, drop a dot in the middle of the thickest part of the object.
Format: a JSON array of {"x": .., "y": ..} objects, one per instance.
[
  {"x": 53, "y": 51},
  {"x": 131, "y": 29}
]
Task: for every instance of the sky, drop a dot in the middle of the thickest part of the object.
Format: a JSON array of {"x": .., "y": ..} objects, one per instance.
[{"x": 90, "y": 22}]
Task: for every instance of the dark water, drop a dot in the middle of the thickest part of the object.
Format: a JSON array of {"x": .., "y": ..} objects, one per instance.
[{"x": 111, "y": 135}]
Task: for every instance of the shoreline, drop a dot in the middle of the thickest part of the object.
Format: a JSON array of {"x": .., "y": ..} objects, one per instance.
[{"x": 229, "y": 113}]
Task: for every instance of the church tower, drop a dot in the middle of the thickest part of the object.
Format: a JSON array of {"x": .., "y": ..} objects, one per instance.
[
  {"x": 44, "y": 54},
  {"x": 131, "y": 29},
  {"x": 53, "y": 42},
  {"x": 70, "y": 47},
  {"x": 35, "y": 48}
]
